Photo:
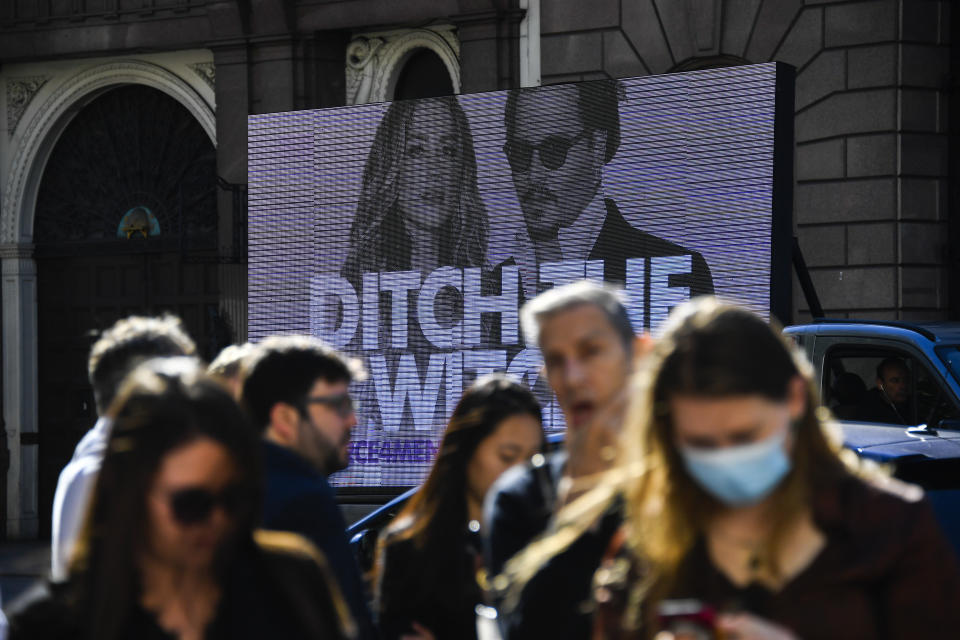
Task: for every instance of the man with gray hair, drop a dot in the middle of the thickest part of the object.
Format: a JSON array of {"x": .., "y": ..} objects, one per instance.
[
  {"x": 227, "y": 367},
  {"x": 588, "y": 347}
]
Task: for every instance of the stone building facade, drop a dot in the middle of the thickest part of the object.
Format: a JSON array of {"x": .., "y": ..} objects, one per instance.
[{"x": 872, "y": 197}]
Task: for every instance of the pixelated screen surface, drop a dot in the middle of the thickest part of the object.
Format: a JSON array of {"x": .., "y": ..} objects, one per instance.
[{"x": 408, "y": 234}]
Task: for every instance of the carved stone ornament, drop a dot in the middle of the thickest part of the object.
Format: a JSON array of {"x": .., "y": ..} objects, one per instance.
[
  {"x": 207, "y": 71},
  {"x": 361, "y": 64},
  {"x": 375, "y": 60},
  {"x": 19, "y": 93}
]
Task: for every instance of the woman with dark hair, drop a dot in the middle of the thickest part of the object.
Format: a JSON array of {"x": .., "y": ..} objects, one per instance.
[
  {"x": 743, "y": 516},
  {"x": 430, "y": 554},
  {"x": 419, "y": 205},
  {"x": 168, "y": 548}
]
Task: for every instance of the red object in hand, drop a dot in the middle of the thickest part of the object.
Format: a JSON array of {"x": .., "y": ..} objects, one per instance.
[{"x": 689, "y": 619}]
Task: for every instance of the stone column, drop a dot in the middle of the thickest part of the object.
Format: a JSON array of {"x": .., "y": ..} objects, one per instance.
[
  {"x": 489, "y": 50},
  {"x": 233, "y": 99},
  {"x": 20, "y": 387}
]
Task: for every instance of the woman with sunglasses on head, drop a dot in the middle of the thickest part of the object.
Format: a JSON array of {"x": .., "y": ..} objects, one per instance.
[
  {"x": 743, "y": 517},
  {"x": 168, "y": 549},
  {"x": 430, "y": 555}
]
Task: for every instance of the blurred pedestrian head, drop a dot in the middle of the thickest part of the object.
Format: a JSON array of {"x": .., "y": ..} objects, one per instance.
[
  {"x": 128, "y": 343},
  {"x": 587, "y": 342},
  {"x": 296, "y": 390},
  {"x": 496, "y": 424},
  {"x": 608, "y": 300},
  {"x": 179, "y": 486},
  {"x": 227, "y": 367}
]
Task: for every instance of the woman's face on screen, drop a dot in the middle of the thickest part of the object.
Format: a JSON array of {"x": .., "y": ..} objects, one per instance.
[{"x": 428, "y": 192}]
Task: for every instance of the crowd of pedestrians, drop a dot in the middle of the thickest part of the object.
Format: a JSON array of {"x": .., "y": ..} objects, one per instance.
[{"x": 700, "y": 493}]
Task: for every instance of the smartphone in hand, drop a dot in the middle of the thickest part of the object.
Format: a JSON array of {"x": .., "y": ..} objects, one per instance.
[{"x": 689, "y": 620}]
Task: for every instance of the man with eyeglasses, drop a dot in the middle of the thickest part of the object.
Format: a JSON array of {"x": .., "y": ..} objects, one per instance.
[
  {"x": 296, "y": 389},
  {"x": 558, "y": 141}
]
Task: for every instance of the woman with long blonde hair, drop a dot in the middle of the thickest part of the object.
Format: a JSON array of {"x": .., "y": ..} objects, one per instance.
[
  {"x": 743, "y": 516},
  {"x": 419, "y": 205}
]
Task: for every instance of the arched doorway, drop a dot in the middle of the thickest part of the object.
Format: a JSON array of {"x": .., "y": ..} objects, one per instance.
[{"x": 126, "y": 222}]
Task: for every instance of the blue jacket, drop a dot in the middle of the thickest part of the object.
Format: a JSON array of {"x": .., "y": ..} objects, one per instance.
[{"x": 298, "y": 498}]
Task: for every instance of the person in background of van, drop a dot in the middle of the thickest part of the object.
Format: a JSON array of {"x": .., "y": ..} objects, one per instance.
[
  {"x": 430, "y": 554},
  {"x": 889, "y": 401}
]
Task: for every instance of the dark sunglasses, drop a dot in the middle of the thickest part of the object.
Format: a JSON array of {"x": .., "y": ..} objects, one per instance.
[
  {"x": 553, "y": 152},
  {"x": 195, "y": 505},
  {"x": 342, "y": 403}
]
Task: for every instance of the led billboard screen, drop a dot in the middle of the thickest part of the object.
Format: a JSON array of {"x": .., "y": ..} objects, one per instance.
[{"x": 408, "y": 234}]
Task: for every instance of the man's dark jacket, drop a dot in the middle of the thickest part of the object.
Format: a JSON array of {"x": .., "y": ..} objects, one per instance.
[
  {"x": 517, "y": 510},
  {"x": 298, "y": 498},
  {"x": 876, "y": 407},
  {"x": 619, "y": 240}
]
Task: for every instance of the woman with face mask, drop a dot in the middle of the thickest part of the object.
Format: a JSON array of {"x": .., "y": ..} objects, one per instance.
[
  {"x": 743, "y": 517},
  {"x": 169, "y": 548}
]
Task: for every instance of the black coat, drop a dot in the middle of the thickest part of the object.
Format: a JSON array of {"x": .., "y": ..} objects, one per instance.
[
  {"x": 298, "y": 498},
  {"x": 556, "y": 602},
  {"x": 435, "y": 586},
  {"x": 619, "y": 241},
  {"x": 876, "y": 407},
  {"x": 518, "y": 508},
  {"x": 273, "y": 589}
]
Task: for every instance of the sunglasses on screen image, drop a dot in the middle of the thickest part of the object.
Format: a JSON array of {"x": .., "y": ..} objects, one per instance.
[
  {"x": 195, "y": 505},
  {"x": 341, "y": 403},
  {"x": 553, "y": 152}
]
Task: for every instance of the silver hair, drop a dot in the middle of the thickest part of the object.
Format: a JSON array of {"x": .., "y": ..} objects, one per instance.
[
  {"x": 605, "y": 297},
  {"x": 228, "y": 362}
]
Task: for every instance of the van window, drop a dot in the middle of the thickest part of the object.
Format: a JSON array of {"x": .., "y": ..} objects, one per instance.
[{"x": 884, "y": 385}]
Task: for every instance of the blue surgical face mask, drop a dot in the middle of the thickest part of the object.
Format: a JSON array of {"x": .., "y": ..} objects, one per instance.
[{"x": 741, "y": 475}]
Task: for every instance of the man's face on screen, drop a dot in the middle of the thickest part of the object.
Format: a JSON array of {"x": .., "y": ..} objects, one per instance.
[
  {"x": 431, "y": 165},
  {"x": 555, "y": 161}
]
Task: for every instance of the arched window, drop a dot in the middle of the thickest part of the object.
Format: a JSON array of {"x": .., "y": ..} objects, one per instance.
[
  {"x": 423, "y": 76},
  {"x": 708, "y": 62},
  {"x": 403, "y": 64}
]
